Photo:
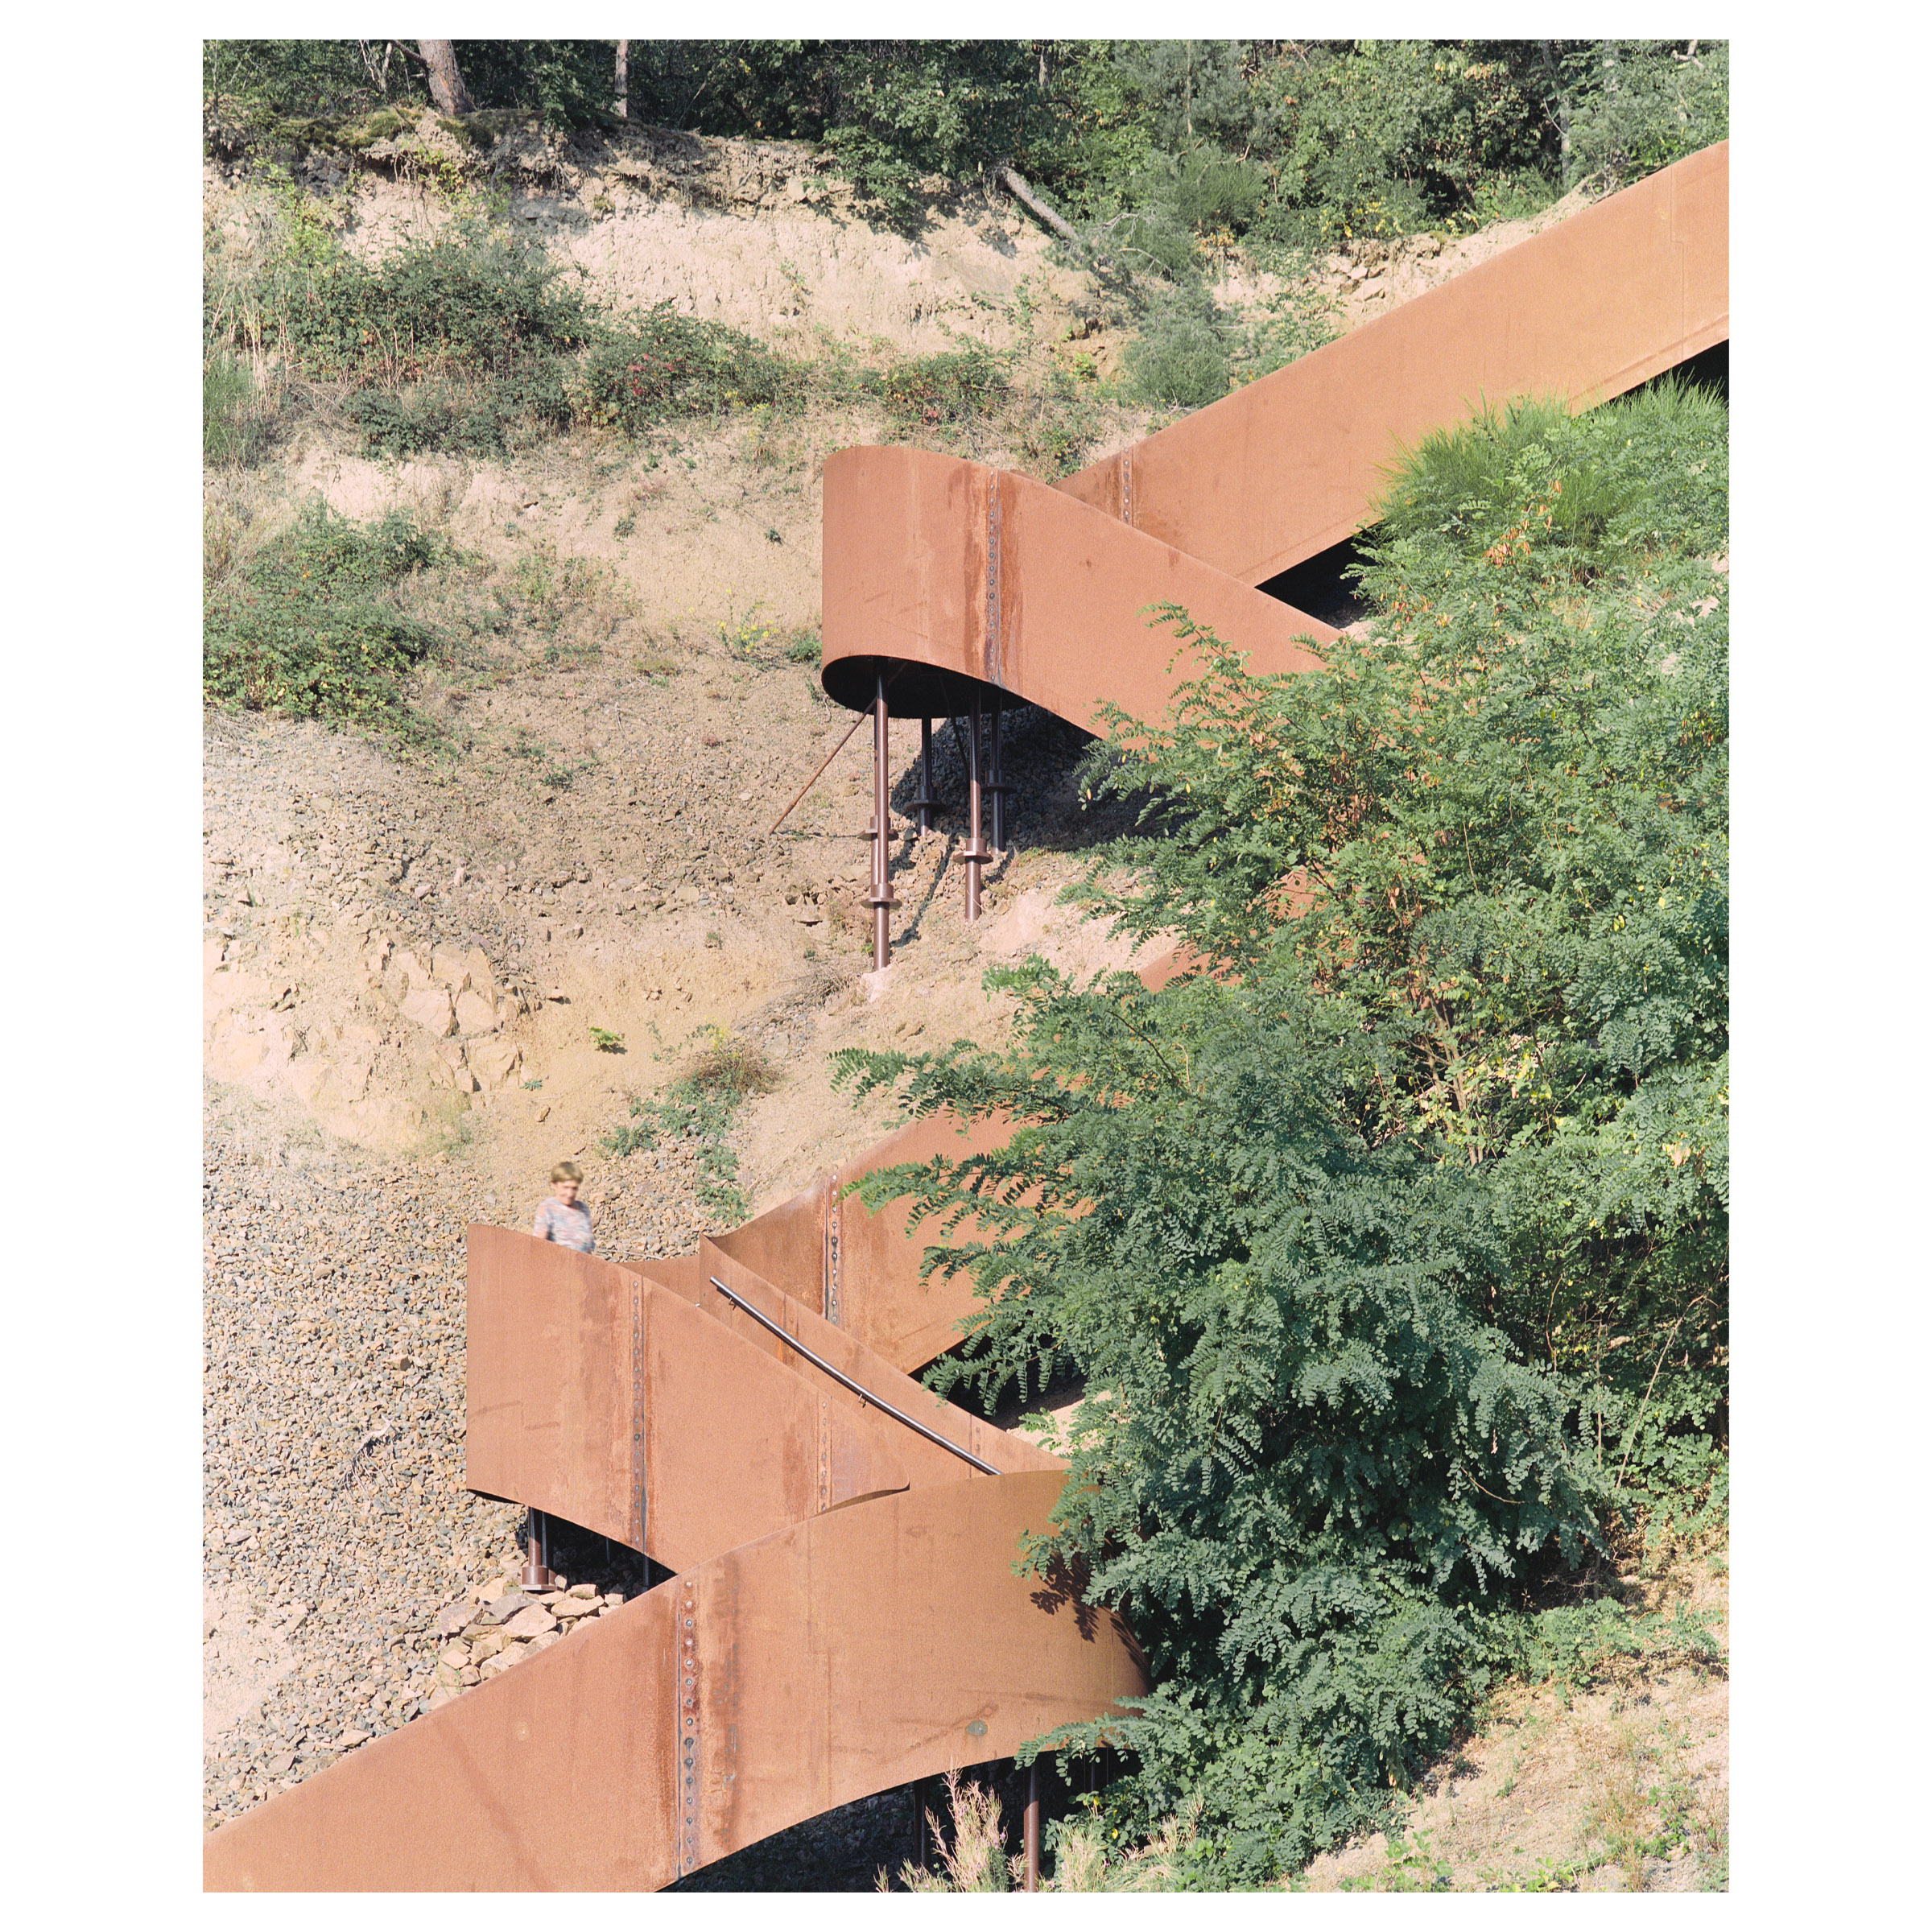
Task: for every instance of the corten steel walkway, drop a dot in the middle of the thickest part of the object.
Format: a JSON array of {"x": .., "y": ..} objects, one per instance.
[{"x": 845, "y": 1616}]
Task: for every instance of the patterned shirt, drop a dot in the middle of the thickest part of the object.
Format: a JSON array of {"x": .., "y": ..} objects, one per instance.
[{"x": 568, "y": 1227}]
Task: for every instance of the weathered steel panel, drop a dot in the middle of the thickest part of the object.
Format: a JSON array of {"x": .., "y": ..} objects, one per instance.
[
  {"x": 549, "y": 1402},
  {"x": 824, "y": 1639},
  {"x": 841, "y": 1656},
  {"x": 1285, "y": 467}
]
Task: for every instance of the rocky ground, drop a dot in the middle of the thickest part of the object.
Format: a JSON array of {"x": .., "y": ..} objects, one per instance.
[
  {"x": 430, "y": 975},
  {"x": 405, "y": 958}
]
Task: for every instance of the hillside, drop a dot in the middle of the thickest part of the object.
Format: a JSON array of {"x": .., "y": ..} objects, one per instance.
[{"x": 542, "y": 900}]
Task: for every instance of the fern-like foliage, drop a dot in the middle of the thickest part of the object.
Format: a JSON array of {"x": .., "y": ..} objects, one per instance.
[{"x": 1391, "y": 1237}]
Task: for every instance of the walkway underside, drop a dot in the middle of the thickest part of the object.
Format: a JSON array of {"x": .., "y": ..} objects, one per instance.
[{"x": 844, "y": 1615}]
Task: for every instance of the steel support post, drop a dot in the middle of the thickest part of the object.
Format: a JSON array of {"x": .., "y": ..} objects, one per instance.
[
  {"x": 998, "y": 777},
  {"x": 1031, "y": 1838},
  {"x": 536, "y": 1568},
  {"x": 925, "y": 801},
  {"x": 880, "y": 898},
  {"x": 974, "y": 853}
]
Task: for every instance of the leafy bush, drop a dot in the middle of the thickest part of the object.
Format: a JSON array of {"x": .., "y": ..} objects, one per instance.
[
  {"x": 944, "y": 388},
  {"x": 665, "y": 365},
  {"x": 472, "y": 343},
  {"x": 1391, "y": 1242},
  {"x": 1179, "y": 360},
  {"x": 701, "y": 1105},
  {"x": 1638, "y": 105},
  {"x": 469, "y": 302},
  {"x": 313, "y": 628}
]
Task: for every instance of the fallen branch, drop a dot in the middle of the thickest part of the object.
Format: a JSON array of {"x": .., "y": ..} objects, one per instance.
[{"x": 1014, "y": 182}]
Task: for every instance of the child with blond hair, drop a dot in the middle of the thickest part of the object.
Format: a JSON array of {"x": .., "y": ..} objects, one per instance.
[{"x": 563, "y": 1219}]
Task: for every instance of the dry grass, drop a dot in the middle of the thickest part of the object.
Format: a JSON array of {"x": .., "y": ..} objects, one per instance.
[
  {"x": 730, "y": 1066},
  {"x": 976, "y": 1859}
]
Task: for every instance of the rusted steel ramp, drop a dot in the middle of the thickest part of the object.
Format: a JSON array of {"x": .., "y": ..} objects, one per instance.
[
  {"x": 845, "y": 1618},
  {"x": 953, "y": 580},
  {"x": 844, "y": 1615}
]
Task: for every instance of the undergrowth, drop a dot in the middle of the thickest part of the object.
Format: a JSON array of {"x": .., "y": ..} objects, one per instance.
[
  {"x": 476, "y": 343},
  {"x": 700, "y": 1106},
  {"x": 314, "y": 625},
  {"x": 1393, "y": 1247}
]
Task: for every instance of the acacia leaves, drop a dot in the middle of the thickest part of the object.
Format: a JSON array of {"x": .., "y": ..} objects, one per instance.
[{"x": 1391, "y": 1242}]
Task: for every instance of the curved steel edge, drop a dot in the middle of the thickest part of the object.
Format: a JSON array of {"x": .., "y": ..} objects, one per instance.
[
  {"x": 871, "y": 1270},
  {"x": 848, "y": 1614},
  {"x": 661, "y": 1417},
  {"x": 964, "y": 573},
  {"x": 839, "y": 1656}
]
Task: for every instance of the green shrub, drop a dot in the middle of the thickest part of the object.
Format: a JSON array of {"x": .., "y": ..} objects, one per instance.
[
  {"x": 232, "y": 430},
  {"x": 469, "y": 302},
  {"x": 313, "y": 628},
  {"x": 1634, "y": 106},
  {"x": 1179, "y": 360},
  {"x": 1464, "y": 487},
  {"x": 702, "y": 1105},
  {"x": 948, "y": 387},
  {"x": 662, "y": 364},
  {"x": 1392, "y": 1245}
]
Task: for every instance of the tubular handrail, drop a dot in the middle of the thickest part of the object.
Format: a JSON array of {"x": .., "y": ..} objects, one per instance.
[{"x": 845, "y": 1381}]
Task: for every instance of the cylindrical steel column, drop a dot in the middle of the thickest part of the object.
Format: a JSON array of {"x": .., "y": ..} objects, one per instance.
[
  {"x": 998, "y": 786},
  {"x": 1031, "y": 1838},
  {"x": 974, "y": 853},
  {"x": 536, "y": 1568},
  {"x": 925, "y": 801},
  {"x": 880, "y": 898}
]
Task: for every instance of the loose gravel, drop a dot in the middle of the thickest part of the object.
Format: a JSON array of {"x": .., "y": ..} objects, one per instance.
[{"x": 335, "y": 1520}]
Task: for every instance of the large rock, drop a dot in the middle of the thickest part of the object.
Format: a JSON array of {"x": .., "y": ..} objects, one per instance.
[
  {"x": 431, "y": 1008},
  {"x": 496, "y": 1062},
  {"x": 475, "y": 1012},
  {"x": 534, "y": 1621}
]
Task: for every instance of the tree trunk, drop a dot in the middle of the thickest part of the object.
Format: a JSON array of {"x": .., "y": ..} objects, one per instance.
[
  {"x": 1554, "y": 68},
  {"x": 1015, "y": 184},
  {"x": 446, "y": 87},
  {"x": 623, "y": 101}
]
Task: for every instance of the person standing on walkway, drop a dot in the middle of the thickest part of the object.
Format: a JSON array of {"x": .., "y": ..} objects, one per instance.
[{"x": 562, "y": 1218}]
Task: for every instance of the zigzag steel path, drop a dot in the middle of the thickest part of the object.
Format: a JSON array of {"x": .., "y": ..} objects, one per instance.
[{"x": 845, "y": 1617}]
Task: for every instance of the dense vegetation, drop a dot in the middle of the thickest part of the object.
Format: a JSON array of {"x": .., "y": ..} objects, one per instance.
[
  {"x": 313, "y": 626},
  {"x": 1392, "y": 1241},
  {"x": 1166, "y": 159},
  {"x": 1283, "y": 140}
]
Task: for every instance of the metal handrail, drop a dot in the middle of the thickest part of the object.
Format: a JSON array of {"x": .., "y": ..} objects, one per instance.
[{"x": 844, "y": 1380}]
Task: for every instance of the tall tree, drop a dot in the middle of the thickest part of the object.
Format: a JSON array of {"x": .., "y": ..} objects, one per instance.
[{"x": 446, "y": 87}]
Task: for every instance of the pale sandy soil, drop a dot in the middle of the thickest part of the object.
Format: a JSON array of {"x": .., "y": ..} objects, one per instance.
[{"x": 641, "y": 893}]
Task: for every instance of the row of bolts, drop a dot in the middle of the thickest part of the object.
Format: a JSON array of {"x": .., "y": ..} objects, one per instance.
[
  {"x": 538, "y": 1575},
  {"x": 982, "y": 737}
]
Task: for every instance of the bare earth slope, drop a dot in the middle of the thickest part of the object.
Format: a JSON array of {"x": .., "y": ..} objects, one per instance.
[{"x": 404, "y": 958}]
